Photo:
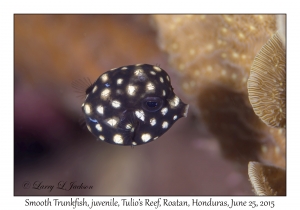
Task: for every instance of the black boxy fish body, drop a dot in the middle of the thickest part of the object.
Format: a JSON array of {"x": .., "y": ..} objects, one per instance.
[{"x": 132, "y": 105}]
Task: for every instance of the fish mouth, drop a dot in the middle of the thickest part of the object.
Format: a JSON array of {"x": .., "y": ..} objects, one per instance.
[
  {"x": 128, "y": 118},
  {"x": 136, "y": 129}
]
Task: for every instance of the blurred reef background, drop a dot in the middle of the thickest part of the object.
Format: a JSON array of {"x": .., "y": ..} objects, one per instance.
[{"x": 208, "y": 57}]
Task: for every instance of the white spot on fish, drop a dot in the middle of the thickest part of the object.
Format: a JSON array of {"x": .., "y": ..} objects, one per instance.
[
  {"x": 101, "y": 137},
  {"x": 89, "y": 128},
  {"x": 140, "y": 114},
  {"x": 94, "y": 89},
  {"x": 100, "y": 109},
  {"x": 164, "y": 111},
  {"x": 132, "y": 129},
  {"x": 131, "y": 90},
  {"x": 150, "y": 87},
  {"x": 112, "y": 122},
  {"x": 152, "y": 72},
  {"x": 105, "y": 93},
  {"x": 118, "y": 139},
  {"x": 129, "y": 126},
  {"x": 104, "y": 77},
  {"x": 146, "y": 137},
  {"x": 156, "y": 68},
  {"x": 138, "y": 72},
  {"x": 98, "y": 127},
  {"x": 164, "y": 93},
  {"x": 152, "y": 121},
  {"x": 116, "y": 104},
  {"x": 87, "y": 109},
  {"x": 119, "y": 91},
  {"x": 124, "y": 68},
  {"x": 175, "y": 117},
  {"x": 161, "y": 80},
  {"x": 119, "y": 81},
  {"x": 133, "y": 143},
  {"x": 174, "y": 102},
  {"x": 165, "y": 125}
]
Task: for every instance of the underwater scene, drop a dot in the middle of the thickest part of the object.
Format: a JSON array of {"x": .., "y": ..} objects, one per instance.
[{"x": 141, "y": 105}]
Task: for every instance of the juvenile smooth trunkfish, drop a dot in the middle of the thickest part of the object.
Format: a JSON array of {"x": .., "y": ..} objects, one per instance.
[{"x": 132, "y": 105}]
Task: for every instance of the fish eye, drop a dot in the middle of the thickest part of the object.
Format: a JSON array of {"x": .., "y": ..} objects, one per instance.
[{"x": 152, "y": 104}]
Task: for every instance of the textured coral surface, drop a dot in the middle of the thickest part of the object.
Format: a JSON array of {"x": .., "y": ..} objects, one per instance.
[
  {"x": 267, "y": 180},
  {"x": 213, "y": 48},
  {"x": 213, "y": 54},
  {"x": 266, "y": 84},
  {"x": 51, "y": 51}
]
